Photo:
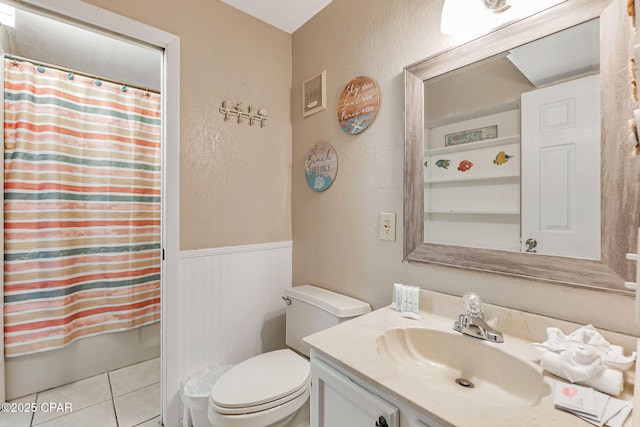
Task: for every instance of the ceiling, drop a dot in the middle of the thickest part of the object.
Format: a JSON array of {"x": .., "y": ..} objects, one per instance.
[
  {"x": 287, "y": 15},
  {"x": 572, "y": 52}
]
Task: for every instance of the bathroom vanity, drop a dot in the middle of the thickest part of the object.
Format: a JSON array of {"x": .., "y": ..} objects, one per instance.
[
  {"x": 342, "y": 398},
  {"x": 382, "y": 369}
]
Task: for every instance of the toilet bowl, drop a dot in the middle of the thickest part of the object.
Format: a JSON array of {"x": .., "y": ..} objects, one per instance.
[
  {"x": 269, "y": 389},
  {"x": 266, "y": 390}
]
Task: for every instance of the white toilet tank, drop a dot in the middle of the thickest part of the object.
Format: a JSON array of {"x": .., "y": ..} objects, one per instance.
[{"x": 313, "y": 309}]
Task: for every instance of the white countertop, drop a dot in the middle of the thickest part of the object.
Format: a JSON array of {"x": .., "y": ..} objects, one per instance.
[{"x": 353, "y": 345}]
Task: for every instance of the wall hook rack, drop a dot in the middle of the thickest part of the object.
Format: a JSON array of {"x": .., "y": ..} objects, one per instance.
[{"x": 240, "y": 112}]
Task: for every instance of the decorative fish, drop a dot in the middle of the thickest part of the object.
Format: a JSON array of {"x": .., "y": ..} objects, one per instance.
[
  {"x": 465, "y": 165},
  {"x": 501, "y": 158},
  {"x": 443, "y": 163}
]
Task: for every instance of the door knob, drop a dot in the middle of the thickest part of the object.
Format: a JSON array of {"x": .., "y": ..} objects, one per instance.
[
  {"x": 381, "y": 422},
  {"x": 530, "y": 244}
]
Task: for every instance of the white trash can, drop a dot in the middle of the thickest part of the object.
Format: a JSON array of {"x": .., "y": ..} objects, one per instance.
[{"x": 195, "y": 394}]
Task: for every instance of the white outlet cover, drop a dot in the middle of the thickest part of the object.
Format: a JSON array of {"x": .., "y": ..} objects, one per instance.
[{"x": 387, "y": 226}]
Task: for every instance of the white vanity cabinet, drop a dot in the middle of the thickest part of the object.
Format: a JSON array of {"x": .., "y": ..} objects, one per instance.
[
  {"x": 341, "y": 400},
  {"x": 336, "y": 401}
]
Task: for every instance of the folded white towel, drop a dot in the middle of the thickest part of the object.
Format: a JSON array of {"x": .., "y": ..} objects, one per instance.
[
  {"x": 608, "y": 380},
  {"x": 580, "y": 364},
  {"x": 587, "y": 337},
  {"x": 585, "y": 357}
]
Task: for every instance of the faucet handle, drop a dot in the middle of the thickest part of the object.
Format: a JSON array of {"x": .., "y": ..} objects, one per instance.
[{"x": 472, "y": 304}]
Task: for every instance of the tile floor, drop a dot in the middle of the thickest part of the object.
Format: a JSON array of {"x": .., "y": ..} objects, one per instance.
[{"x": 126, "y": 397}]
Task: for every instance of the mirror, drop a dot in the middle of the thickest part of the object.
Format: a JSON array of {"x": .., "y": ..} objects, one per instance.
[
  {"x": 512, "y": 149},
  {"x": 605, "y": 267}
]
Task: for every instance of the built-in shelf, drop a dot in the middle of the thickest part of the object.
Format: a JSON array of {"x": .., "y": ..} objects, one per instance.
[
  {"x": 473, "y": 145},
  {"x": 467, "y": 178},
  {"x": 473, "y": 212}
]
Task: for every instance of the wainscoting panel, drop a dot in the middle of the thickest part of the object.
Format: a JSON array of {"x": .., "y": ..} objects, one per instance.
[{"x": 231, "y": 305}]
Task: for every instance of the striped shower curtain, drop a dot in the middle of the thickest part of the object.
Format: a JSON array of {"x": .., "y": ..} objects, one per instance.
[{"x": 82, "y": 182}]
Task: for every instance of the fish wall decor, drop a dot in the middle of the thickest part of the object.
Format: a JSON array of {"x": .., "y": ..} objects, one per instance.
[
  {"x": 465, "y": 165},
  {"x": 443, "y": 163},
  {"x": 501, "y": 158}
]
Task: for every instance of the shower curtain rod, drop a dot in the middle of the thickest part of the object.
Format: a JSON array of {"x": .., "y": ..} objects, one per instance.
[{"x": 70, "y": 70}]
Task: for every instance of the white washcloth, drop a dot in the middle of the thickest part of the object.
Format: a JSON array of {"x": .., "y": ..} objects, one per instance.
[
  {"x": 617, "y": 360},
  {"x": 580, "y": 364},
  {"x": 608, "y": 380}
]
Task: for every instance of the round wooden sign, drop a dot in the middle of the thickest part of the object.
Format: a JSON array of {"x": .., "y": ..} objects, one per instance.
[
  {"x": 358, "y": 105},
  {"x": 321, "y": 166}
]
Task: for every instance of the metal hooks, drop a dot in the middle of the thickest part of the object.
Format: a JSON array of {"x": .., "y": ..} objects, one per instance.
[{"x": 240, "y": 112}]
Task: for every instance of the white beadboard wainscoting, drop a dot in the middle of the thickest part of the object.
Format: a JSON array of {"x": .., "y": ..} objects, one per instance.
[{"x": 231, "y": 305}]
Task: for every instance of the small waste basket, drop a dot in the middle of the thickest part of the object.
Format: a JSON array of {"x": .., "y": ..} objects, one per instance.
[{"x": 195, "y": 394}]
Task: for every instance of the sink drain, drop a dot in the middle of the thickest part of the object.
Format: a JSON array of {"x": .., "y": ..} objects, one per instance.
[{"x": 464, "y": 383}]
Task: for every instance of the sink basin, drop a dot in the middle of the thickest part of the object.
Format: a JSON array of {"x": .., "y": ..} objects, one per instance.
[{"x": 468, "y": 367}]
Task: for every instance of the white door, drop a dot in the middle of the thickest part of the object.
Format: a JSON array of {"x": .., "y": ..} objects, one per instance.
[
  {"x": 336, "y": 401},
  {"x": 561, "y": 168}
]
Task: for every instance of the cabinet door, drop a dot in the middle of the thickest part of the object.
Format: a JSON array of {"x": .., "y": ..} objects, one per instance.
[{"x": 336, "y": 401}]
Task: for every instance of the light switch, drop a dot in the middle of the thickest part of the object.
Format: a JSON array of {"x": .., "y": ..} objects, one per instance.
[{"x": 387, "y": 226}]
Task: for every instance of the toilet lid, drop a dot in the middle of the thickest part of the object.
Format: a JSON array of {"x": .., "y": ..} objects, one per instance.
[{"x": 261, "y": 379}]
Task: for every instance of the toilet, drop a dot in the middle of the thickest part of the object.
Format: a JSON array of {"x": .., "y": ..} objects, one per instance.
[{"x": 269, "y": 389}]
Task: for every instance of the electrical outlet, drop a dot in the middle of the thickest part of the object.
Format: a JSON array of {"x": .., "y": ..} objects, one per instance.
[{"x": 387, "y": 226}]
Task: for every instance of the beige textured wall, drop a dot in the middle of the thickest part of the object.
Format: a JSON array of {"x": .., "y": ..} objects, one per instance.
[
  {"x": 235, "y": 180},
  {"x": 335, "y": 233}
]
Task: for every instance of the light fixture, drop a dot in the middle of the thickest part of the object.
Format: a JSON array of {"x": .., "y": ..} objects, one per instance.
[
  {"x": 496, "y": 6},
  {"x": 468, "y": 19}
]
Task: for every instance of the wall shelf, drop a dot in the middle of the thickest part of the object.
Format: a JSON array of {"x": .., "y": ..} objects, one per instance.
[
  {"x": 473, "y": 212},
  {"x": 467, "y": 178},
  {"x": 487, "y": 143},
  {"x": 478, "y": 206}
]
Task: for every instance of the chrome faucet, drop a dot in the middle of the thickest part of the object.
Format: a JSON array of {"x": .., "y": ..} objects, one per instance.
[{"x": 473, "y": 323}]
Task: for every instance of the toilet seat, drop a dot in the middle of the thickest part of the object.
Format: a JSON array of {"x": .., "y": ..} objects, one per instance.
[
  {"x": 277, "y": 416},
  {"x": 261, "y": 383},
  {"x": 262, "y": 407}
]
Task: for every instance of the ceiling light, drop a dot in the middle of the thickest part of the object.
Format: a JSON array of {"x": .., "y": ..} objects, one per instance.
[
  {"x": 496, "y": 6},
  {"x": 468, "y": 19}
]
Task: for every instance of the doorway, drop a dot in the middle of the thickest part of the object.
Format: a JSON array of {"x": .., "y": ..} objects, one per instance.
[{"x": 83, "y": 15}]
